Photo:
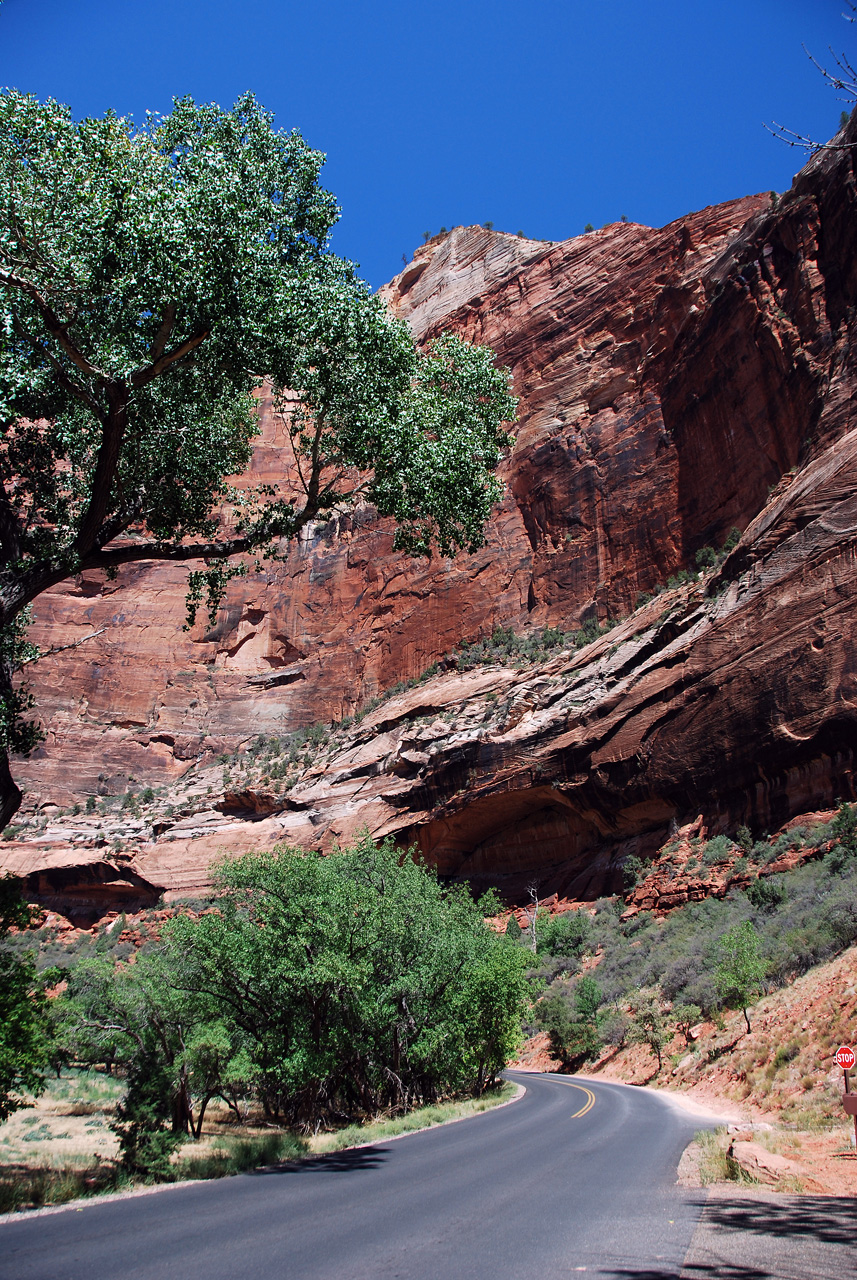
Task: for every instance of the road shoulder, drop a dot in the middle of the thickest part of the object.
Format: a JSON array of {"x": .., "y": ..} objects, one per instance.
[{"x": 754, "y": 1234}]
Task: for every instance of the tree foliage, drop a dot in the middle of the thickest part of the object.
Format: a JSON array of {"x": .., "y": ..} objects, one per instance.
[
  {"x": 740, "y": 972},
  {"x": 328, "y": 988},
  {"x": 649, "y": 1022},
  {"x": 151, "y": 277},
  {"x": 25, "y": 1035},
  {"x": 357, "y": 981},
  {"x": 570, "y": 1016}
]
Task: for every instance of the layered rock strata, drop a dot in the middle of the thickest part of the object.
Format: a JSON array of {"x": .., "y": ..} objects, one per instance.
[{"x": 674, "y": 383}]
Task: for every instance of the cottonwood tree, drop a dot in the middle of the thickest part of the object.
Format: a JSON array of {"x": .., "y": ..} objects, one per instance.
[
  {"x": 356, "y": 981},
  {"x": 151, "y": 277}
]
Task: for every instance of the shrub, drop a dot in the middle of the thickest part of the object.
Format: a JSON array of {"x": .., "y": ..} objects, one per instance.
[
  {"x": 744, "y": 838},
  {"x": 717, "y": 850},
  {"x": 564, "y": 935},
  {"x": 766, "y": 893},
  {"x": 633, "y": 869},
  {"x": 844, "y": 827},
  {"x": 569, "y": 1015},
  {"x": 143, "y": 1123}
]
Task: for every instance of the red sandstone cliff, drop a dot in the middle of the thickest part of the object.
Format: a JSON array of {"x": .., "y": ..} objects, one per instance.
[{"x": 669, "y": 380}]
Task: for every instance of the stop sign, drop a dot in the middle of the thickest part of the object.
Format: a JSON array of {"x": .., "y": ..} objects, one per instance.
[{"x": 845, "y": 1057}]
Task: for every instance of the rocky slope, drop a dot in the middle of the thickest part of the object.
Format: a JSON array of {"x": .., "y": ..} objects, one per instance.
[{"x": 674, "y": 384}]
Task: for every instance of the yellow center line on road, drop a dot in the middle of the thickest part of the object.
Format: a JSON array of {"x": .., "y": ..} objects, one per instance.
[{"x": 588, "y": 1104}]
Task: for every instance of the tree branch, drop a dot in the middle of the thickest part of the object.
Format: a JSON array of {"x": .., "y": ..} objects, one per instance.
[
  {"x": 61, "y": 648},
  {"x": 151, "y": 371},
  {"x": 157, "y": 347},
  {"x": 792, "y": 139},
  {"x": 65, "y": 381},
  {"x": 53, "y": 323}
]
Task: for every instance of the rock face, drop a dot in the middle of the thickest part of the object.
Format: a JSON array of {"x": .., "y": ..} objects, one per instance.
[{"x": 673, "y": 384}]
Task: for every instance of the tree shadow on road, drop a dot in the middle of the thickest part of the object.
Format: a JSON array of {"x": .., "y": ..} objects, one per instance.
[
  {"x": 714, "y": 1272},
  {"x": 352, "y": 1160},
  {"x": 826, "y": 1219}
]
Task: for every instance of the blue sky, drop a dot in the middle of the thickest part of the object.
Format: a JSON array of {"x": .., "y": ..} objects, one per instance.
[{"x": 539, "y": 117}]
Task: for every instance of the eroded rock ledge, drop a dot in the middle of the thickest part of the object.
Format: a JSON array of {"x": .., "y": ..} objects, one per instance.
[{"x": 674, "y": 383}]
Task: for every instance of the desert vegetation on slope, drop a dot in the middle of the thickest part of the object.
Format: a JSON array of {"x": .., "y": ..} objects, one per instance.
[{"x": 619, "y": 974}]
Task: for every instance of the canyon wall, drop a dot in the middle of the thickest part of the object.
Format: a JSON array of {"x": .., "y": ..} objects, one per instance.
[{"x": 674, "y": 384}]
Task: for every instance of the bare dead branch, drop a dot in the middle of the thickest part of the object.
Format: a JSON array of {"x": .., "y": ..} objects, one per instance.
[{"x": 61, "y": 648}]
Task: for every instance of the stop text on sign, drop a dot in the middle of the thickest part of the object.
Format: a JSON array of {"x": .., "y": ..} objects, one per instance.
[{"x": 845, "y": 1057}]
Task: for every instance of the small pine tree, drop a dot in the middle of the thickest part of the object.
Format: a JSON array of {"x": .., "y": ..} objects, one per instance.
[{"x": 513, "y": 929}]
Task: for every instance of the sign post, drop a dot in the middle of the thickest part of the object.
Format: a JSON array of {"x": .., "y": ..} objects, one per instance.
[{"x": 845, "y": 1059}]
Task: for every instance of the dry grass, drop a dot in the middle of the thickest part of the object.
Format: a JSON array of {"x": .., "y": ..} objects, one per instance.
[
  {"x": 420, "y": 1118},
  {"x": 714, "y": 1164},
  {"x": 61, "y": 1148}
]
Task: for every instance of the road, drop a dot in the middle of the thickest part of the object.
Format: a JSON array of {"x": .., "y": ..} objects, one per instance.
[{"x": 577, "y": 1177}]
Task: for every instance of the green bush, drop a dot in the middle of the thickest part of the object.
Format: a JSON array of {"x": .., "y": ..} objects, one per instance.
[
  {"x": 717, "y": 850},
  {"x": 564, "y": 935},
  {"x": 359, "y": 981},
  {"x": 844, "y": 827},
  {"x": 744, "y": 838},
  {"x": 569, "y": 1013}
]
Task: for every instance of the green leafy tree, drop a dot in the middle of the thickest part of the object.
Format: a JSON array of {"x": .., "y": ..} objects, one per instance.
[
  {"x": 175, "y": 1053},
  {"x": 25, "y": 1032},
  {"x": 740, "y": 973},
  {"x": 843, "y": 828},
  {"x": 649, "y": 1021},
  {"x": 151, "y": 277},
  {"x": 570, "y": 1016},
  {"x": 685, "y": 1017},
  {"x": 356, "y": 980},
  {"x": 565, "y": 935}
]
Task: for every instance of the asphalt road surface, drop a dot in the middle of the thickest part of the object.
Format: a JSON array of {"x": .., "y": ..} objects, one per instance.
[{"x": 575, "y": 1178}]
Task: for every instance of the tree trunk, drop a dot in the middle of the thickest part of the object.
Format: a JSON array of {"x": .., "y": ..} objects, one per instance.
[{"x": 10, "y": 794}]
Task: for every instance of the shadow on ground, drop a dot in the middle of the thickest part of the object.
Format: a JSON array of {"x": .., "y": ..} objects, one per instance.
[
  {"x": 756, "y": 1237},
  {"x": 353, "y": 1160}
]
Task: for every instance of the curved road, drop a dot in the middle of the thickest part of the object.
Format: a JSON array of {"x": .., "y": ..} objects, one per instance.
[{"x": 576, "y": 1177}]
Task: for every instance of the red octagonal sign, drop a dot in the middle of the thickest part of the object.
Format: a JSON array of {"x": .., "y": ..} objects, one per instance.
[{"x": 845, "y": 1057}]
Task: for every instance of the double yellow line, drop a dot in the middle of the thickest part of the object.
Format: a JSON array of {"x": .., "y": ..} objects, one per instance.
[{"x": 588, "y": 1104}]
